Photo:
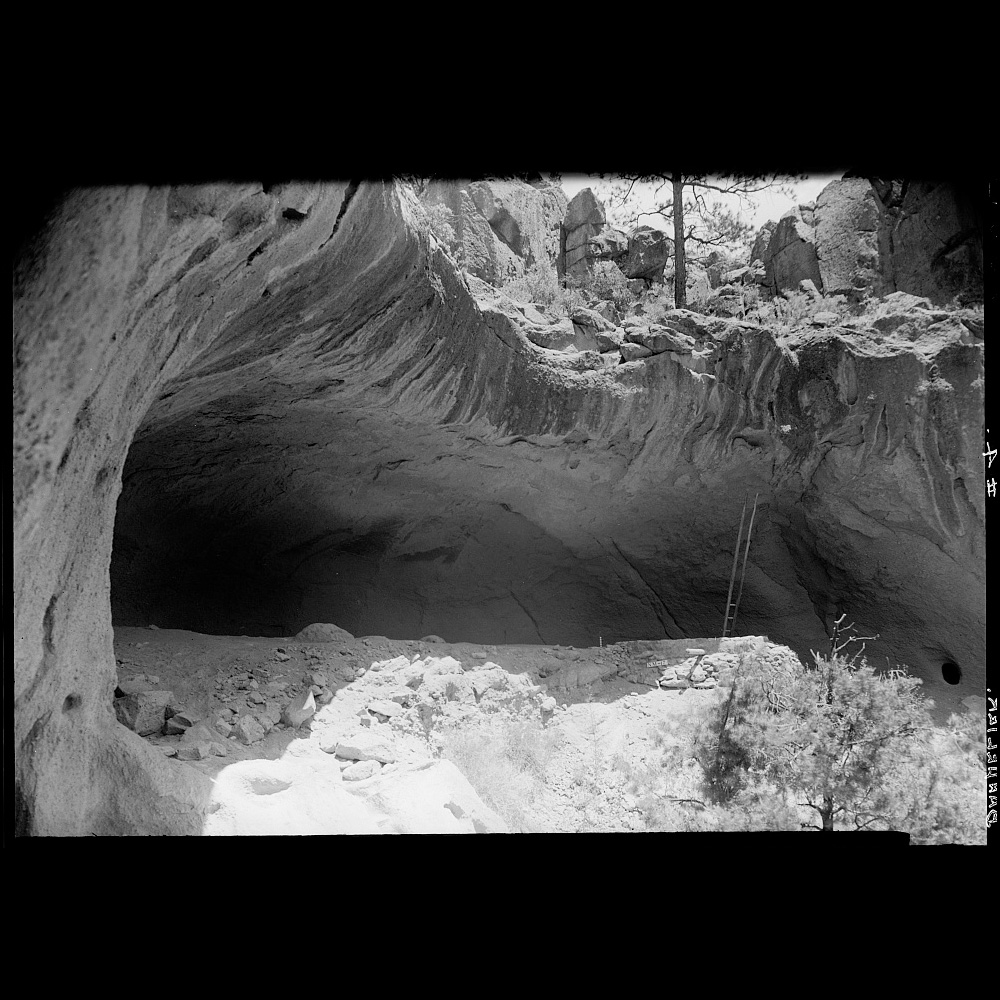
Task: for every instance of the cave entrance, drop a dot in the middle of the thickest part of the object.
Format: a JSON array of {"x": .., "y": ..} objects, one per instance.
[{"x": 254, "y": 518}]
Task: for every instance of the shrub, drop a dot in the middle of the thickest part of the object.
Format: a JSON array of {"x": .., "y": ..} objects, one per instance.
[
  {"x": 440, "y": 219},
  {"x": 505, "y": 761},
  {"x": 568, "y": 300},
  {"x": 610, "y": 283},
  {"x": 538, "y": 284}
]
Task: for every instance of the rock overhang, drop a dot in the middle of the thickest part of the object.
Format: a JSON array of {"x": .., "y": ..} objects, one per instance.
[{"x": 312, "y": 389}]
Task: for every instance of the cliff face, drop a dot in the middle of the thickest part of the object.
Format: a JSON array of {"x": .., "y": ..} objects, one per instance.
[
  {"x": 876, "y": 236},
  {"x": 502, "y": 228},
  {"x": 930, "y": 238},
  {"x": 240, "y": 411}
]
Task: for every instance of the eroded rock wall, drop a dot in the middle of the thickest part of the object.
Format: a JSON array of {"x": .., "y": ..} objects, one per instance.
[
  {"x": 319, "y": 419},
  {"x": 116, "y": 297}
]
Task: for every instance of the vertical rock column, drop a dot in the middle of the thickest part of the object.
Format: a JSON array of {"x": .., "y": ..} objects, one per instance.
[{"x": 584, "y": 220}]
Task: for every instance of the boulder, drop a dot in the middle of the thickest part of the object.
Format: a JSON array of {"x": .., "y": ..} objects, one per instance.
[
  {"x": 609, "y": 244},
  {"x": 143, "y": 712},
  {"x": 360, "y": 770},
  {"x": 610, "y": 340},
  {"x": 685, "y": 321},
  {"x": 609, "y": 311},
  {"x": 201, "y": 732},
  {"x": 904, "y": 301},
  {"x": 590, "y": 320},
  {"x": 715, "y": 268},
  {"x": 825, "y": 319},
  {"x": 436, "y": 665},
  {"x": 585, "y": 209},
  {"x": 563, "y": 335},
  {"x": 180, "y": 721},
  {"x": 265, "y": 720},
  {"x": 648, "y": 252},
  {"x": 248, "y": 730},
  {"x": 762, "y": 240},
  {"x": 385, "y": 708},
  {"x": 299, "y": 711},
  {"x": 808, "y": 287},
  {"x": 632, "y": 351},
  {"x": 361, "y": 745},
  {"x": 847, "y": 223},
  {"x": 388, "y": 666},
  {"x": 659, "y": 339},
  {"x": 791, "y": 254},
  {"x": 584, "y": 220},
  {"x": 322, "y": 632}
]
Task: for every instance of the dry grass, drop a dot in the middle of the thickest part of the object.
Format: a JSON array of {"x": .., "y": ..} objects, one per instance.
[{"x": 505, "y": 760}]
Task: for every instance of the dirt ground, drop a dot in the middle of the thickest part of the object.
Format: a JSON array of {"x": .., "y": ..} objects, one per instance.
[{"x": 597, "y": 737}]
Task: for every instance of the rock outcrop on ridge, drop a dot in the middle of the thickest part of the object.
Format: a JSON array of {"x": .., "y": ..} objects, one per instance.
[
  {"x": 586, "y": 238},
  {"x": 502, "y": 228},
  {"x": 869, "y": 236},
  {"x": 288, "y": 406}
]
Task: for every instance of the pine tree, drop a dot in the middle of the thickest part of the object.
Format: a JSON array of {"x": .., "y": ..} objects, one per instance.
[
  {"x": 856, "y": 748},
  {"x": 698, "y": 225}
]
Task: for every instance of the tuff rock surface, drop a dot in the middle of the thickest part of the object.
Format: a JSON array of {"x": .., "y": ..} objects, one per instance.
[
  {"x": 584, "y": 225},
  {"x": 649, "y": 250},
  {"x": 875, "y": 236},
  {"x": 241, "y": 411},
  {"x": 501, "y": 227}
]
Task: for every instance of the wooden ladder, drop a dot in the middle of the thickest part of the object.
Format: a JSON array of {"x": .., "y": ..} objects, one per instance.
[{"x": 731, "y": 606}]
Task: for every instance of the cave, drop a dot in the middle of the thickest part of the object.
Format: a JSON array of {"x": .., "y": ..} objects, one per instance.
[{"x": 241, "y": 411}]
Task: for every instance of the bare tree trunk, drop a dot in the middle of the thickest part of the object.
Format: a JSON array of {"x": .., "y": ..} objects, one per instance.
[
  {"x": 827, "y": 812},
  {"x": 680, "y": 268}
]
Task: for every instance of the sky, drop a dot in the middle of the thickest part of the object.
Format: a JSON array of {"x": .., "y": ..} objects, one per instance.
[{"x": 767, "y": 205}]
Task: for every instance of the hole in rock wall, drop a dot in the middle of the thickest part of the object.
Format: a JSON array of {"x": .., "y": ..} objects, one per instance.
[{"x": 951, "y": 672}]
